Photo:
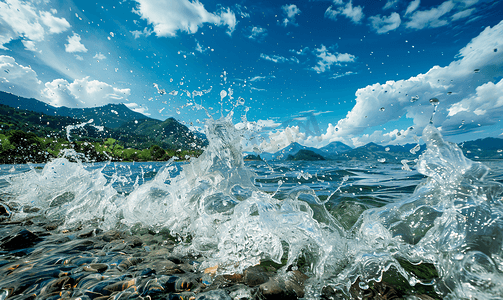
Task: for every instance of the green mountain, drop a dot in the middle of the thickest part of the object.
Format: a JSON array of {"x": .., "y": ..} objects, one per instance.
[
  {"x": 110, "y": 115},
  {"x": 305, "y": 154},
  {"x": 129, "y": 128},
  {"x": 167, "y": 134}
]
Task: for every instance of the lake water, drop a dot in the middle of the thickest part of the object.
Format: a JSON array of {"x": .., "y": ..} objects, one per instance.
[{"x": 132, "y": 230}]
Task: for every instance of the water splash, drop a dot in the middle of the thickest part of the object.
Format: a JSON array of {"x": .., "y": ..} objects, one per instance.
[{"x": 454, "y": 220}]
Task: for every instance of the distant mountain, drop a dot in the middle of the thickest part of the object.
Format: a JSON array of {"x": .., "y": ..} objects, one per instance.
[
  {"x": 373, "y": 152},
  {"x": 110, "y": 115},
  {"x": 282, "y": 154},
  {"x": 305, "y": 154},
  {"x": 131, "y": 128},
  {"x": 167, "y": 134},
  {"x": 487, "y": 148},
  {"x": 333, "y": 149}
]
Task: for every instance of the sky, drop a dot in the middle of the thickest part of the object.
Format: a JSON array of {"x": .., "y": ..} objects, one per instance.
[{"x": 311, "y": 72}]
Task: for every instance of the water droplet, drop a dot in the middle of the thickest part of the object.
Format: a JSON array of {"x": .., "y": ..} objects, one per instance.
[
  {"x": 414, "y": 98},
  {"x": 386, "y": 149},
  {"x": 411, "y": 128},
  {"x": 449, "y": 93},
  {"x": 336, "y": 128},
  {"x": 495, "y": 50},
  {"x": 136, "y": 121},
  {"x": 398, "y": 134},
  {"x": 382, "y": 109},
  {"x": 476, "y": 70},
  {"x": 434, "y": 101},
  {"x": 381, "y": 160},
  {"x": 499, "y": 151}
]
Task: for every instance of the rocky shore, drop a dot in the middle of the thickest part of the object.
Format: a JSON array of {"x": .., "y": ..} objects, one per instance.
[{"x": 40, "y": 260}]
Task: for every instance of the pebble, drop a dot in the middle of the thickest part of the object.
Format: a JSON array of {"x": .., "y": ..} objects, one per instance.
[{"x": 20, "y": 239}]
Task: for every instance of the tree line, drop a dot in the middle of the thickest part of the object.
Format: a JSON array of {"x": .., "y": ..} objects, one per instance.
[{"x": 18, "y": 146}]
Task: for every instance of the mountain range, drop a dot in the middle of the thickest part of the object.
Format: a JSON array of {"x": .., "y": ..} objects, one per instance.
[
  {"x": 133, "y": 129},
  {"x": 487, "y": 148},
  {"x": 139, "y": 131},
  {"x": 110, "y": 115}
]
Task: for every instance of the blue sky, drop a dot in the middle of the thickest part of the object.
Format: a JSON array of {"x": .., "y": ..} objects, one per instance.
[{"x": 307, "y": 71}]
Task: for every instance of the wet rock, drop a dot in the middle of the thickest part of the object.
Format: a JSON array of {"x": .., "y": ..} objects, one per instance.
[
  {"x": 134, "y": 242},
  {"x": 20, "y": 239},
  {"x": 147, "y": 272},
  {"x": 129, "y": 262},
  {"x": 287, "y": 286},
  {"x": 52, "y": 225},
  {"x": 256, "y": 275},
  {"x": 96, "y": 268},
  {"x": 112, "y": 235},
  {"x": 5, "y": 212},
  {"x": 163, "y": 265},
  {"x": 120, "y": 286},
  {"x": 214, "y": 295}
]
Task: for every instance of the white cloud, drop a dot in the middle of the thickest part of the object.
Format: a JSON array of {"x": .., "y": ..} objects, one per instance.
[
  {"x": 354, "y": 13},
  {"x": 137, "y": 108},
  {"x": 82, "y": 93},
  {"x": 413, "y": 5},
  {"x": 261, "y": 78},
  {"x": 279, "y": 59},
  {"x": 290, "y": 12},
  {"x": 21, "y": 20},
  {"x": 74, "y": 44},
  {"x": 170, "y": 16},
  {"x": 462, "y": 14},
  {"x": 18, "y": 79},
  {"x": 29, "y": 45},
  {"x": 384, "y": 24},
  {"x": 257, "y": 33},
  {"x": 390, "y": 4},
  {"x": 78, "y": 57},
  {"x": 146, "y": 33},
  {"x": 100, "y": 56},
  {"x": 327, "y": 59},
  {"x": 282, "y": 138},
  {"x": 339, "y": 75},
  {"x": 431, "y": 18},
  {"x": 464, "y": 94},
  {"x": 56, "y": 25}
]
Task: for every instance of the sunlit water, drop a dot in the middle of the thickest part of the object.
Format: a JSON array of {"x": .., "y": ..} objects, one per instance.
[{"x": 347, "y": 222}]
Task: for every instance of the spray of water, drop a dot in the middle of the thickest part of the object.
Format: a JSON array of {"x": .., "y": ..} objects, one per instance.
[{"x": 453, "y": 220}]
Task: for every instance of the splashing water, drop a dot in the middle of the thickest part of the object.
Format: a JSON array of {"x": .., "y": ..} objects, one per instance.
[{"x": 454, "y": 220}]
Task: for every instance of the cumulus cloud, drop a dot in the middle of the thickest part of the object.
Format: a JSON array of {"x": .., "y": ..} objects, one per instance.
[
  {"x": 279, "y": 59},
  {"x": 82, "y": 93},
  {"x": 280, "y": 139},
  {"x": 137, "y": 108},
  {"x": 384, "y": 24},
  {"x": 256, "y": 33},
  {"x": 465, "y": 88},
  {"x": 100, "y": 56},
  {"x": 169, "y": 17},
  {"x": 354, "y": 13},
  {"x": 290, "y": 12},
  {"x": 21, "y": 20},
  {"x": 18, "y": 79},
  {"x": 74, "y": 44},
  {"x": 431, "y": 18},
  {"x": 325, "y": 59}
]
